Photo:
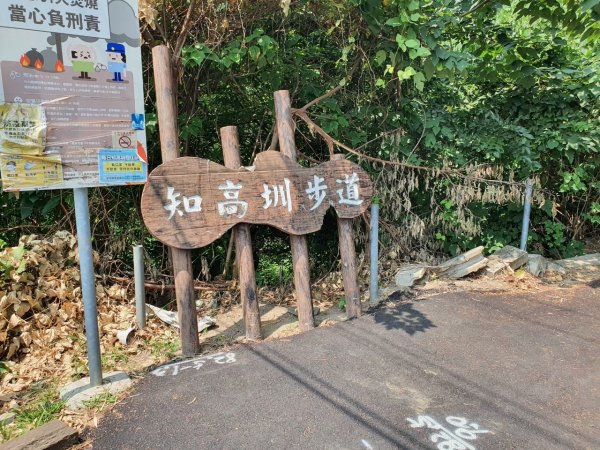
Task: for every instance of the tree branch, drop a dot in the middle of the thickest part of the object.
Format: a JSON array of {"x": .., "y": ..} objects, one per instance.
[
  {"x": 321, "y": 98},
  {"x": 187, "y": 23}
]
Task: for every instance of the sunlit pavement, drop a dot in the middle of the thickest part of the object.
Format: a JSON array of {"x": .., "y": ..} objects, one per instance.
[{"x": 456, "y": 371}]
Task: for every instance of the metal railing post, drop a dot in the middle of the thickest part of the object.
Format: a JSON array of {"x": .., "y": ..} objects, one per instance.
[
  {"x": 526, "y": 213},
  {"x": 140, "y": 292},
  {"x": 374, "y": 240}
]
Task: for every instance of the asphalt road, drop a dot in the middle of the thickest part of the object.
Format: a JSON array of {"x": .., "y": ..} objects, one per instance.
[{"x": 452, "y": 372}]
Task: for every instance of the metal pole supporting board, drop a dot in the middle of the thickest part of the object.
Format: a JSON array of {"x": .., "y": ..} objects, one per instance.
[{"x": 88, "y": 284}]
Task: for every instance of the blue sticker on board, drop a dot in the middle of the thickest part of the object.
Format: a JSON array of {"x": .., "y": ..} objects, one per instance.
[
  {"x": 121, "y": 167},
  {"x": 137, "y": 121}
]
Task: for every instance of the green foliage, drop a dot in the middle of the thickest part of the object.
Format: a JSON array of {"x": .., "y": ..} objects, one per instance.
[
  {"x": 43, "y": 406},
  {"x": 101, "y": 401},
  {"x": 165, "y": 348},
  {"x": 555, "y": 239},
  {"x": 12, "y": 262},
  {"x": 274, "y": 270},
  {"x": 437, "y": 83}
]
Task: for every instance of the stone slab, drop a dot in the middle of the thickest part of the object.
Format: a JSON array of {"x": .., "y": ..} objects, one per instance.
[
  {"x": 7, "y": 418},
  {"x": 466, "y": 268},
  {"x": 54, "y": 435},
  {"x": 556, "y": 268},
  {"x": 511, "y": 256},
  {"x": 460, "y": 259},
  {"x": 77, "y": 393},
  {"x": 579, "y": 262},
  {"x": 408, "y": 275},
  {"x": 495, "y": 266},
  {"x": 462, "y": 265},
  {"x": 536, "y": 265}
]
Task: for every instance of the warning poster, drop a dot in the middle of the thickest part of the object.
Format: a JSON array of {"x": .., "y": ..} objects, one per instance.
[{"x": 71, "y": 94}]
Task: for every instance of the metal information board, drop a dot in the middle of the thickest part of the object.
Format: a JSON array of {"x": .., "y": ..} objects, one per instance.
[{"x": 71, "y": 94}]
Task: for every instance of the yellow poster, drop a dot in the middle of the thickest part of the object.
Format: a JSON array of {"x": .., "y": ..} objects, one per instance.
[
  {"x": 22, "y": 129},
  {"x": 29, "y": 171}
]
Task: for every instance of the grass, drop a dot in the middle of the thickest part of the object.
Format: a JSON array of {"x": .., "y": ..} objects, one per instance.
[
  {"x": 43, "y": 405},
  {"x": 164, "y": 348},
  {"x": 101, "y": 401},
  {"x": 114, "y": 359}
]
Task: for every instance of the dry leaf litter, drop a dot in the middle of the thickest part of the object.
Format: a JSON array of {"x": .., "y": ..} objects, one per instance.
[
  {"x": 41, "y": 311},
  {"x": 42, "y": 336}
]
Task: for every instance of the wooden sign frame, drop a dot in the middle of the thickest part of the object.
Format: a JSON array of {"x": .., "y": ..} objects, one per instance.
[{"x": 181, "y": 189}]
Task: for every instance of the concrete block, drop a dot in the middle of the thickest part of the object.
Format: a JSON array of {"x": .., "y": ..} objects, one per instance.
[
  {"x": 460, "y": 259},
  {"x": 408, "y": 275},
  {"x": 466, "y": 268},
  {"x": 464, "y": 264},
  {"x": 511, "y": 256},
  {"x": 536, "y": 265},
  {"x": 77, "y": 393},
  {"x": 495, "y": 266}
]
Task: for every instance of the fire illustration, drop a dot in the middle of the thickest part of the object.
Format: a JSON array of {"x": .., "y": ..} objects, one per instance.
[
  {"x": 59, "y": 66},
  {"x": 25, "y": 61},
  {"x": 38, "y": 64}
]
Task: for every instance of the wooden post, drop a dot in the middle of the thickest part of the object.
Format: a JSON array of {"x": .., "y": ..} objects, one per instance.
[
  {"x": 166, "y": 104},
  {"x": 287, "y": 146},
  {"x": 348, "y": 255},
  {"x": 243, "y": 244}
]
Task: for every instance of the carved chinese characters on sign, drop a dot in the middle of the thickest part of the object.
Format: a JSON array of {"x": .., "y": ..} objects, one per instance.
[{"x": 190, "y": 202}]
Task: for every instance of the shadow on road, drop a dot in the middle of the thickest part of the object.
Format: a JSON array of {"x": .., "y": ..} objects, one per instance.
[
  {"x": 404, "y": 317},
  {"x": 377, "y": 424},
  {"x": 494, "y": 397}
]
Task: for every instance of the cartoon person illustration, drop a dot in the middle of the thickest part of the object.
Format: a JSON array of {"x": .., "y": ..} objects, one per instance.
[
  {"x": 116, "y": 60},
  {"x": 83, "y": 60}
]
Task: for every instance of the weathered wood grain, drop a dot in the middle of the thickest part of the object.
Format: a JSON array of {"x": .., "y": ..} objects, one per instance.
[
  {"x": 348, "y": 256},
  {"x": 287, "y": 145},
  {"x": 54, "y": 435},
  {"x": 191, "y": 177},
  {"x": 243, "y": 245},
  {"x": 166, "y": 105}
]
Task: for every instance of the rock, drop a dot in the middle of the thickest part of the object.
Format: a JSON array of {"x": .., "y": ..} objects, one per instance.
[
  {"x": 7, "y": 418},
  {"x": 582, "y": 268},
  {"x": 507, "y": 256},
  {"x": 495, "y": 266},
  {"x": 407, "y": 275},
  {"x": 580, "y": 262},
  {"x": 536, "y": 265},
  {"x": 463, "y": 265},
  {"x": 54, "y": 435},
  {"x": 555, "y": 268}
]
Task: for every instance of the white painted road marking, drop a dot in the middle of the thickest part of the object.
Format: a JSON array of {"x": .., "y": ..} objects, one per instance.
[
  {"x": 447, "y": 439},
  {"x": 196, "y": 363}
]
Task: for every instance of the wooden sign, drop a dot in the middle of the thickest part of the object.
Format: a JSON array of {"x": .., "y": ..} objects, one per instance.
[{"x": 190, "y": 202}]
